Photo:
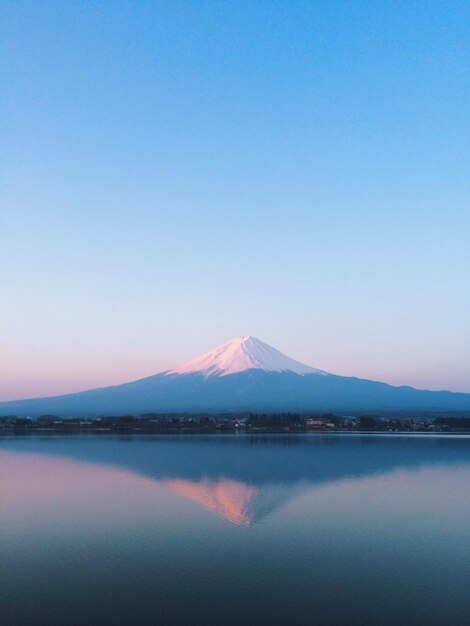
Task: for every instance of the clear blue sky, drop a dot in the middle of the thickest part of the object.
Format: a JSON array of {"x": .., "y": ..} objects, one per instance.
[{"x": 175, "y": 174}]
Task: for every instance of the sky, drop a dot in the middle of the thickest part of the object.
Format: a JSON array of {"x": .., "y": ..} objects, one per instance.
[{"x": 175, "y": 174}]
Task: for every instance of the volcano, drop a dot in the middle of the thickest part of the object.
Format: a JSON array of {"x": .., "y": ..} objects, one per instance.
[{"x": 244, "y": 374}]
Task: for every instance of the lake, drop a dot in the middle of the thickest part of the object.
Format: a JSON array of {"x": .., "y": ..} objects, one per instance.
[{"x": 235, "y": 529}]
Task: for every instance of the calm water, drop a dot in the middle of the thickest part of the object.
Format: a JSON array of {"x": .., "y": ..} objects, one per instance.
[{"x": 235, "y": 530}]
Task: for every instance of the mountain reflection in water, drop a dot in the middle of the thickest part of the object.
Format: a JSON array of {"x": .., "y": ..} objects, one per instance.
[
  {"x": 243, "y": 479},
  {"x": 321, "y": 529},
  {"x": 237, "y": 502}
]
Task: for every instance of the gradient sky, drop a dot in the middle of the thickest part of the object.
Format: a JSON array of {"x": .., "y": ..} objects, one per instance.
[{"x": 175, "y": 174}]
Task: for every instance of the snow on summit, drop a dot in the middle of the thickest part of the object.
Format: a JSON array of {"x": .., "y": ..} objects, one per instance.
[{"x": 240, "y": 354}]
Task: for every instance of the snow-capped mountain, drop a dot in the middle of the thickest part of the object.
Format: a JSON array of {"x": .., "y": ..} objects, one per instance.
[
  {"x": 241, "y": 354},
  {"x": 243, "y": 374}
]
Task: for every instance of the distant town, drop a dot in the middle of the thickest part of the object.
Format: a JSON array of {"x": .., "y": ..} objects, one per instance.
[{"x": 244, "y": 422}]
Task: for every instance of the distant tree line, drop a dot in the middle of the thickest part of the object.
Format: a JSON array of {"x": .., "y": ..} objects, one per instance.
[{"x": 249, "y": 421}]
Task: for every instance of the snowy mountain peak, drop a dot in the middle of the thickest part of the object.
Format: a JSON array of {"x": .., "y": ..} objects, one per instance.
[{"x": 240, "y": 354}]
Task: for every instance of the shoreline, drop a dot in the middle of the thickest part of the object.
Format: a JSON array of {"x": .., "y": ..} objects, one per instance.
[{"x": 229, "y": 431}]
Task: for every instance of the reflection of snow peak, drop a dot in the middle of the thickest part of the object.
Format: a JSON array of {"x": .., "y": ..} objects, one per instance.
[
  {"x": 228, "y": 498},
  {"x": 240, "y": 354},
  {"x": 232, "y": 500}
]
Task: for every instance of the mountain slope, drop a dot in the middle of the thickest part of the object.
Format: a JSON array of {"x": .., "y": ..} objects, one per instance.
[{"x": 242, "y": 375}]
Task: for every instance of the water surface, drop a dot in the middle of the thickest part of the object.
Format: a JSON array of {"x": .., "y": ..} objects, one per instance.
[{"x": 235, "y": 529}]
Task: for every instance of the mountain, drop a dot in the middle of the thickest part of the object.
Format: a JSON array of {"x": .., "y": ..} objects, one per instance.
[{"x": 243, "y": 374}]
